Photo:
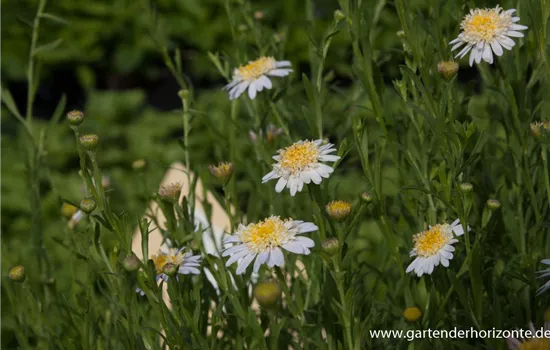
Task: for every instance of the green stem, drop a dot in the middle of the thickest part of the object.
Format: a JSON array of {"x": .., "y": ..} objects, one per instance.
[
  {"x": 31, "y": 88},
  {"x": 347, "y": 313},
  {"x": 544, "y": 154}
]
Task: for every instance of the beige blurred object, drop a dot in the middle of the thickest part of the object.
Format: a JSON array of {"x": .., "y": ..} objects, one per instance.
[{"x": 212, "y": 240}]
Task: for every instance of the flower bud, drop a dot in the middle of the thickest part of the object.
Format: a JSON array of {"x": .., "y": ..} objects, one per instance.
[
  {"x": 338, "y": 210},
  {"x": 267, "y": 293},
  {"x": 331, "y": 246},
  {"x": 493, "y": 204},
  {"x": 412, "y": 314},
  {"x": 89, "y": 142},
  {"x": 466, "y": 187},
  {"x": 222, "y": 172},
  {"x": 366, "y": 197},
  {"x": 183, "y": 94},
  {"x": 17, "y": 274},
  {"x": 170, "y": 269},
  {"x": 131, "y": 263},
  {"x": 272, "y": 132},
  {"x": 139, "y": 164},
  {"x": 447, "y": 69},
  {"x": 170, "y": 192},
  {"x": 87, "y": 205},
  {"x": 338, "y": 16},
  {"x": 75, "y": 118}
]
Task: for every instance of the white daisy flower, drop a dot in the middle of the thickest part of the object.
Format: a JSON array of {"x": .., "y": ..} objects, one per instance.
[
  {"x": 485, "y": 31},
  {"x": 264, "y": 240},
  {"x": 544, "y": 273},
  {"x": 301, "y": 163},
  {"x": 187, "y": 263},
  {"x": 255, "y": 76},
  {"x": 434, "y": 246}
]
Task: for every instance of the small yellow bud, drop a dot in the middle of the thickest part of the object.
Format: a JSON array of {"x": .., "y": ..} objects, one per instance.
[
  {"x": 493, "y": 204},
  {"x": 139, "y": 164},
  {"x": 75, "y": 118},
  {"x": 466, "y": 187},
  {"x": 17, "y": 274},
  {"x": 89, "y": 142},
  {"x": 267, "y": 293},
  {"x": 339, "y": 16},
  {"x": 331, "y": 246},
  {"x": 170, "y": 192},
  {"x": 447, "y": 69},
  {"x": 412, "y": 314},
  {"x": 222, "y": 172},
  {"x": 87, "y": 205},
  {"x": 338, "y": 210}
]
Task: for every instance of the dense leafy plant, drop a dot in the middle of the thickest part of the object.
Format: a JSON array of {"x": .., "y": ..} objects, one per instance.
[{"x": 418, "y": 145}]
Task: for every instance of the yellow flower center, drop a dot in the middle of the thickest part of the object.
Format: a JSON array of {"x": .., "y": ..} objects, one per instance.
[
  {"x": 429, "y": 242},
  {"x": 338, "y": 209},
  {"x": 299, "y": 156},
  {"x": 265, "y": 234},
  {"x": 536, "y": 344},
  {"x": 485, "y": 25},
  {"x": 254, "y": 69},
  {"x": 173, "y": 257}
]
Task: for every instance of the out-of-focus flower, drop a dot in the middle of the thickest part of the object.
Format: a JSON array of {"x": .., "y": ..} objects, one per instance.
[
  {"x": 447, "y": 69},
  {"x": 532, "y": 343},
  {"x": 301, "y": 163},
  {"x": 544, "y": 273},
  {"x": 338, "y": 210},
  {"x": 538, "y": 127},
  {"x": 139, "y": 164},
  {"x": 222, "y": 171},
  {"x": 434, "y": 246},
  {"x": 271, "y": 133},
  {"x": 264, "y": 240},
  {"x": 267, "y": 293},
  {"x": 186, "y": 263},
  {"x": 68, "y": 210},
  {"x": 255, "y": 76},
  {"x": 170, "y": 192},
  {"x": 485, "y": 31},
  {"x": 17, "y": 274},
  {"x": 75, "y": 219},
  {"x": 259, "y": 15},
  {"x": 412, "y": 314}
]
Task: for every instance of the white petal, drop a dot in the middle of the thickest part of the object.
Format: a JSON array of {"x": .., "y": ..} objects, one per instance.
[
  {"x": 280, "y": 185},
  {"x": 457, "y": 45},
  {"x": 262, "y": 257},
  {"x": 305, "y": 176},
  {"x": 464, "y": 51},
  {"x": 329, "y": 158},
  {"x": 506, "y": 42},
  {"x": 276, "y": 257},
  {"x": 265, "y": 82},
  {"x": 293, "y": 247},
  {"x": 518, "y": 27},
  {"x": 279, "y": 72},
  {"x": 412, "y": 265},
  {"x": 449, "y": 248},
  {"x": 446, "y": 254},
  {"x": 269, "y": 176},
  {"x": 252, "y": 90},
  {"x": 514, "y": 34},
  {"x": 236, "y": 257},
  {"x": 545, "y": 261},
  {"x": 282, "y": 64},
  {"x": 305, "y": 241},
  {"x": 231, "y": 239},
  {"x": 497, "y": 49},
  {"x": 324, "y": 170},
  {"x": 238, "y": 90},
  {"x": 243, "y": 264},
  {"x": 309, "y": 227},
  {"x": 315, "y": 177},
  {"x": 185, "y": 270},
  {"x": 234, "y": 249},
  {"x": 444, "y": 261},
  {"x": 231, "y": 84}
]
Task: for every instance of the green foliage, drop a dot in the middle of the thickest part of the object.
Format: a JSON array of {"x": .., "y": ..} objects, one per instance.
[{"x": 404, "y": 134}]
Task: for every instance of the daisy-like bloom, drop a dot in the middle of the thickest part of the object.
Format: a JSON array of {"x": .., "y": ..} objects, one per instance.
[
  {"x": 255, "y": 76},
  {"x": 532, "y": 343},
  {"x": 301, "y": 163},
  {"x": 434, "y": 246},
  {"x": 264, "y": 240},
  {"x": 485, "y": 31},
  {"x": 187, "y": 263},
  {"x": 544, "y": 273}
]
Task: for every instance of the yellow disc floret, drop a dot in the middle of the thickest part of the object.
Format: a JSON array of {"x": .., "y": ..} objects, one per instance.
[
  {"x": 265, "y": 234},
  {"x": 254, "y": 69},
  {"x": 299, "y": 156},
  {"x": 485, "y": 24},
  {"x": 172, "y": 257},
  {"x": 536, "y": 344},
  {"x": 338, "y": 209},
  {"x": 428, "y": 243}
]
